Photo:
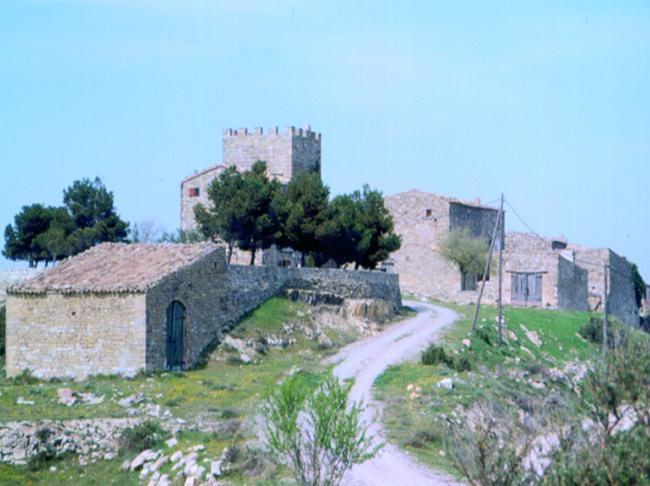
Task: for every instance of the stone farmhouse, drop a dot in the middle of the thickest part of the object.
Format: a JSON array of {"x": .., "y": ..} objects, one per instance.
[
  {"x": 538, "y": 273},
  {"x": 121, "y": 308},
  {"x": 423, "y": 220},
  {"x": 286, "y": 154}
]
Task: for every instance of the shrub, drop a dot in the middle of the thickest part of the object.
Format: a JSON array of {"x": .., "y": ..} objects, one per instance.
[
  {"x": 319, "y": 434},
  {"x": 593, "y": 331},
  {"x": 423, "y": 437},
  {"x": 483, "y": 334},
  {"x": 142, "y": 436},
  {"x": 434, "y": 355}
]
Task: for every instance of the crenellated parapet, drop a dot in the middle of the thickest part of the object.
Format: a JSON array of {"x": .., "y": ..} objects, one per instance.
[{"x": 305, "y": 132}]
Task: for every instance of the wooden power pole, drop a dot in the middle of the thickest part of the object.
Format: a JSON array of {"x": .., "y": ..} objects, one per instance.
[
  {"x": 487, "y": 268},
  {"x": 605, "y": 290},
  {"x": 499, "y": 301}
]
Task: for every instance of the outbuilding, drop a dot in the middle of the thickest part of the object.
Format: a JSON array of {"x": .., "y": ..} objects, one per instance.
[{"x": 117, "y": 309}]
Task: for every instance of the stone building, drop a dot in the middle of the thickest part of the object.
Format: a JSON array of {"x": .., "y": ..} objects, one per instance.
[
  {"x": 423, "y": 220},
  {"x": 286, "y": 154},
  {"x": 115, "y": 308},
  {"x": 620, "y": 288},
  {"x": 537, "y": 272},
  {"x": 542, "y": 272},
  {"x": 120, "y": 308}
]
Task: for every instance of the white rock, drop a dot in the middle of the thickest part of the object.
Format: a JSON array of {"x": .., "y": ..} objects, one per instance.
[
  {"x": 171, "y": 442},
  {"x": 176, "y": 456},
  {"x": 466, "y": 342},
  {"x": 66, "y": 397},
  {"x": 164, "y": 481},
  {"x": 131, "y": 400},
  {"x": 446, "y": 383},
  {"x": 198, "y": 448},
  {"x": 161, "y": 461},
  {"x": 534, "y": 338},
  {"x": 22, "y": 401},
  {"x": 144, "y": 456},
  {"x": 215, "y": 468},
  {"x": 190, "y": 481},
  {"x": 245, "y": 358}
]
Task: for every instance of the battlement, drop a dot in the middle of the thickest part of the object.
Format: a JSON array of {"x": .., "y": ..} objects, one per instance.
[{"x": 304, "y": 132}]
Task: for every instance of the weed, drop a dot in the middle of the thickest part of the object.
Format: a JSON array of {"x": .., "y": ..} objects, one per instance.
[{"x": 142, "y": 436}]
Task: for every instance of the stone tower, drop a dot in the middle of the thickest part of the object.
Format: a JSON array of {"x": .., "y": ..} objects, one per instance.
[{"x": 286, "y": 153}]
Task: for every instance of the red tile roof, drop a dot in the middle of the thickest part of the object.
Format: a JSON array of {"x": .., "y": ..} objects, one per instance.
[{"x": 115, "y": 267}]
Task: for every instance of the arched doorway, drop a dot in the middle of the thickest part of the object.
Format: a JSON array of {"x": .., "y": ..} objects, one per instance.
[{"x": 175, "y": 335}]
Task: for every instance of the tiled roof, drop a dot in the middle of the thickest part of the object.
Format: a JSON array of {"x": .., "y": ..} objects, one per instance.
[
  {"x": 446, "y": 198},
  {"x": 115, "y": 267}
]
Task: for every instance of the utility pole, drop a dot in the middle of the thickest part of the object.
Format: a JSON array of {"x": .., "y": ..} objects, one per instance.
[
  {"x": 486, "y": 269},
  {"x": 499, "y": 301},
  {"x": 605, "y": 283}
]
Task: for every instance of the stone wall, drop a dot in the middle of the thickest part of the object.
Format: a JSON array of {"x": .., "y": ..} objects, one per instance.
[
  {"x": 58, "y": 335},
  {"x": 572, "y": 283},
  {"x": 11, "y": 277},
  {"x": 622, "y": 303},
  {"x": 216, "y": 296},
  {"x": 200, "y": 181}
]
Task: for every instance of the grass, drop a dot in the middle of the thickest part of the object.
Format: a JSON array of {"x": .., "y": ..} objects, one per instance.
[
  {"x": 413, "y": 417},
  {"x": 224, "y": 389}
]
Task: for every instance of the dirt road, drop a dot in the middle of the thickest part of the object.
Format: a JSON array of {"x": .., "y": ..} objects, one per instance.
[{"x": 364, "y": 361}]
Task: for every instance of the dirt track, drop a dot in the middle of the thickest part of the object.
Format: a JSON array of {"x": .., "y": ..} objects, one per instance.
[{"x": 364, "y": 361}]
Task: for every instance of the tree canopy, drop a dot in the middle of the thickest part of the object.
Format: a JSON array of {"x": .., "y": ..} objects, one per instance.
[
  {"x": 47, "y": 233},
  {"x": 251, "y": 212},
  {"x": 469, "y": 253}
]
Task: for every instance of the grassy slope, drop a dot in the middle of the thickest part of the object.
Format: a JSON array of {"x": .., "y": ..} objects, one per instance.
[
  {"x": 492, "y": 373},
  {"x": 206, "y": 393}
]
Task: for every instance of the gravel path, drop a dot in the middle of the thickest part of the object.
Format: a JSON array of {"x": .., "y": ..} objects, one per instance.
[{"x": 364, "y": 361}]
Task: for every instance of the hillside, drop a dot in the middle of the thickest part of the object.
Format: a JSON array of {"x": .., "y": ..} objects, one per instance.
[{"x": 535, "y": 380}]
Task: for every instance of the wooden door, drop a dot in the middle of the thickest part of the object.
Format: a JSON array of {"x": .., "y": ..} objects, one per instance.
[
  {"x": 175, "y": 335},
  {"x": 526, "y": 289}
]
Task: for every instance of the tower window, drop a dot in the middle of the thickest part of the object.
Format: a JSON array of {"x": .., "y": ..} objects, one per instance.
[
  {"x": 194, "y": 191},
  {"x": 428, "y": 213}
]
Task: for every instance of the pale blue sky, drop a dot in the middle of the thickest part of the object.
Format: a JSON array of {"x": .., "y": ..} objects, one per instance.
[{"x": 548, "y": 102}]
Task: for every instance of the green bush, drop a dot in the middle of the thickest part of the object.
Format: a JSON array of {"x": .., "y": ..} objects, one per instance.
[
  {"x": 423, "y": 437},
  {"x": 435, "y": 355},
  {"x": 593, "y": 331},
  {"x": 142, "y": 436}
]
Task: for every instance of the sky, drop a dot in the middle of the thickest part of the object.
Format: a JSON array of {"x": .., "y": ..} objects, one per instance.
[{"x": 547, "y": 102}]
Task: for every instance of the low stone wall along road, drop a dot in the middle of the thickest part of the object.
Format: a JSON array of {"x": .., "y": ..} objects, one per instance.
[{"x": 364, "y": 361}]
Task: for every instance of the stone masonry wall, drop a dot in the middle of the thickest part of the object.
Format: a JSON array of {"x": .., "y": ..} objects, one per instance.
[
  {"x": 199, "y": 181},
  {"x": 572, "y": 283},
  {"x": 217, "y": 295},
  {"x": 75, "y": 334},
  {"x": 622, "y": 303},
  {"x": 11, "y": 277}
]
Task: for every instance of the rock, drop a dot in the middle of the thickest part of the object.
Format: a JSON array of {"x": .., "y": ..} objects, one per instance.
[
  {"x": 66, "y": 397},
  {"x": 171, "y": 442},
  {"x": 467, "y": 343},
  {"x": 245, "y": 358},
  {"x": 190, "y": 481},
  {"x": 215, "y": 468},
  {"x": 176, "y": 456},
  {"x": 511, "y": 335},
  {"x": 160, "y": 462},
  {"x": 131, "y": 400},
  {"x": 52, "y": 468},
  {"x": 22, "y": 401},
  {"x": 90, "y": 399},
  {"x": 144, "y": 473},
  {"x": 126, "y": 465},
  {"x": 197, "y": 448},
  {"x": 164, "y": 480},
  {"x": 446, "y": 383},
  {"x": 534, "y": 338},
  {"x": 145, "y": 456},
  {"x": 410, "y": 387}
]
